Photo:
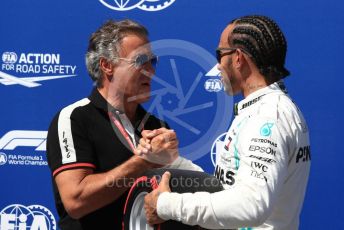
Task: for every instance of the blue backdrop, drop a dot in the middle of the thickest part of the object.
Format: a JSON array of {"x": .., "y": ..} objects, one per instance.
[{"x": 42, "y": 48}]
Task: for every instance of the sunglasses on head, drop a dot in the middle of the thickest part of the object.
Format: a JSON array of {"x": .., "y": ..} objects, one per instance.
[{"x": 141, "y": 60}]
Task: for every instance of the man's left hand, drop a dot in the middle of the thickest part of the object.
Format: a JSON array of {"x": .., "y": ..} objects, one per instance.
[{"x": 151, "y": 200}]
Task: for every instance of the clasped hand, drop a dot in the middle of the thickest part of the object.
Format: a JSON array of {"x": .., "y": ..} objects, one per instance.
[{"x": 159, "y": 146}]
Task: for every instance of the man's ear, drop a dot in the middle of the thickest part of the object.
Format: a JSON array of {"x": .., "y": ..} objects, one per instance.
[
  {"x": 239, "y": 59},
  {"x": 106, "y": 66}
]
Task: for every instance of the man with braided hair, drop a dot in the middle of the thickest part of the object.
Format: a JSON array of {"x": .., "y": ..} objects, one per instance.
[{"x": 265, "y": 162}]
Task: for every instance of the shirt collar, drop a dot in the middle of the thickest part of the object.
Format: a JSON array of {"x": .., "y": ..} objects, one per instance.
[
  {"x": 256, "y": 96},
  {"x": 99, "y": 101}
]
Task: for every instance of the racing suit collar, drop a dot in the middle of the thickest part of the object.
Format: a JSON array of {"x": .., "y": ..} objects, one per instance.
[{"x": 258, "y": 95}]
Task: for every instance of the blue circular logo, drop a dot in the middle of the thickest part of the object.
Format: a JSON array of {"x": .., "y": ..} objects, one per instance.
[{"x": 179, "y": 98}]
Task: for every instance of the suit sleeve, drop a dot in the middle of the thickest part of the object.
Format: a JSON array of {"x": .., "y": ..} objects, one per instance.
[
  {"x": 262, "y": 170},
  {"x": 183, "y": 163}
]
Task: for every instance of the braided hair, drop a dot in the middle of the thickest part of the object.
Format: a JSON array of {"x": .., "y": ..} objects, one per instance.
[{"x": 264, "y": 41}]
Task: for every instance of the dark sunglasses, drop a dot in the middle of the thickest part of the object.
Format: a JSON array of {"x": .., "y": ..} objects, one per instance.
[
  {"x": 141, "y": 60},
  {"x": 220, "y": 53}
]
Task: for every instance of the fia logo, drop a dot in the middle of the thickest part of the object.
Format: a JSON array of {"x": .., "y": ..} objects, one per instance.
[
  {"x": 33, "y": 217},
  {"x": 146, "y": 5},
  {"x": 17, "y": 138},
  {"x": 9, "y": 57},
  {"x": 213, "y": 85}
]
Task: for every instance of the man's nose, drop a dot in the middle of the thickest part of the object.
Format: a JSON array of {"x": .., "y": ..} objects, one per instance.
[{"x": 149, "y": 70}]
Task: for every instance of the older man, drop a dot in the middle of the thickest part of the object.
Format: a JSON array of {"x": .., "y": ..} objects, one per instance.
[
  {"x": 92, "y": 143},
  {"x": 264, "y": 164}
]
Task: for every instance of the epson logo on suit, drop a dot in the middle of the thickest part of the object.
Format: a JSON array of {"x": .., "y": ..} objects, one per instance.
[
  {"x": 261, "y": 149},
  {"x": 34, "y": 64}
]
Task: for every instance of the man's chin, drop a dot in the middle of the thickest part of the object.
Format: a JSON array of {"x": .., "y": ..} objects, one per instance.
[
  {"x": 140, "y": 98},
  {"x": 143, "y": 100}
]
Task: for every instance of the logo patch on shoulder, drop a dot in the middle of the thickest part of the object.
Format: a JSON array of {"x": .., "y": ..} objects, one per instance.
[{"x": 265, "y": 130}]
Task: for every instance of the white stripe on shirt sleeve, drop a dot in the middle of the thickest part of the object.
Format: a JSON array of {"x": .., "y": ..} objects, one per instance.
[{"x": 65, "y": 131}]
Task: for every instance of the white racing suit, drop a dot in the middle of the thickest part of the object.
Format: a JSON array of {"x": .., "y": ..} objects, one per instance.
[{"x": 264, "y": 166}]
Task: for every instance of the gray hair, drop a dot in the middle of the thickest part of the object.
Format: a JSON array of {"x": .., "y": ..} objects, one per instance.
[{"x": 106, "y": 42}]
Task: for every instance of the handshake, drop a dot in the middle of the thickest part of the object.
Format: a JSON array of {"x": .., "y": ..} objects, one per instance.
[{"x": 159, "y": 146}]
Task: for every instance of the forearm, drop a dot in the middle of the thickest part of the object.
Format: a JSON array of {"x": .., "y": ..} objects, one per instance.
[
  {"x": 183, "y": 163},
  {"x": 96, "y": 190}
]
